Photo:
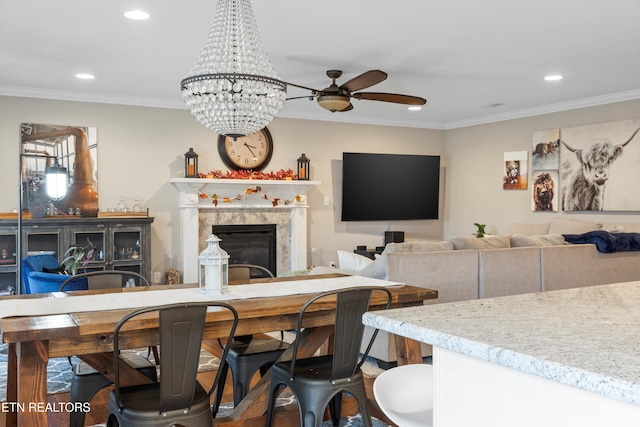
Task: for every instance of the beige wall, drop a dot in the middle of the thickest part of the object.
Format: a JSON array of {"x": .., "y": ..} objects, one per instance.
[
  {"x": 140, "y": 148},
  {"x": 475, "y": 162}
]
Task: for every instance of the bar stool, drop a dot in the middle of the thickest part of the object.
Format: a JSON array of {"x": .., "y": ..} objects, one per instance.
[{"x": 405, "y": 394}]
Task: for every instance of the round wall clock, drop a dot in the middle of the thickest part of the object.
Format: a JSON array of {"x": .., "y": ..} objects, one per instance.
[{"x": 251, "y": 152}]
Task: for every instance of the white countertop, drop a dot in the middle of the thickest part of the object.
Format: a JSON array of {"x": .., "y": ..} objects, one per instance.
[{"x": 585, "y": 337}]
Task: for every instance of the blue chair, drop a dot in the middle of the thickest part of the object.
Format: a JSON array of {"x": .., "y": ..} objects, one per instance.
[{"x": 36, "y": 281}]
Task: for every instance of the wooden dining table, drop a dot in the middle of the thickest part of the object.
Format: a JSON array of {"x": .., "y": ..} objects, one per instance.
[{"x": 32, "y": 340}]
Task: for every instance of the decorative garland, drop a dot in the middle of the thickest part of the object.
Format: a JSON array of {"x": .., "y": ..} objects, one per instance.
[{"x": 282, "y": 175}]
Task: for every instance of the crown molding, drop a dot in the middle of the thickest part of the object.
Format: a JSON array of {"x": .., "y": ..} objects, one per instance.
[
  {"x": 62, "y": 95},
  {"x": 546, "y": 109}
]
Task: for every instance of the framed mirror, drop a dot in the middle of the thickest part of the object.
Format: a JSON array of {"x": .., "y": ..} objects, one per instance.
[{"x": 59, "y": 170}]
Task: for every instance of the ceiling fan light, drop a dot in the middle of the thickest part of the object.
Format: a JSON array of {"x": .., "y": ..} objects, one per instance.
[{"x": 334, "y": 103}]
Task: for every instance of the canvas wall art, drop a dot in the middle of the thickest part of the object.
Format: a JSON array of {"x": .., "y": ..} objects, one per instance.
[
  {"x": 544, "y": 191},
  {"x": 546, "y": 155},
  {"x": 71, "y": 149},
  {"x": 600, "y": 167},
  {"x": 514, "y": 175}
]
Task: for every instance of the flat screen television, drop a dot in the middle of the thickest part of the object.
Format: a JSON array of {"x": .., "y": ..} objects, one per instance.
[{"x": 384, "y": 187}]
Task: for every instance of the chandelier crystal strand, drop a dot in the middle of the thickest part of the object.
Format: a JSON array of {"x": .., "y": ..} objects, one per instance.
[{"x": 232, "y": 88}]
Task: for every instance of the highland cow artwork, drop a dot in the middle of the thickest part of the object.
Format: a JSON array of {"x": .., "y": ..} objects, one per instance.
[{"x": 601, "y": 167}]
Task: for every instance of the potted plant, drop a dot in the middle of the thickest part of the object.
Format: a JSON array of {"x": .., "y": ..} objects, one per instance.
[
  {"x": 77, "y": 257},
  {"x": 480, "y": 232}
]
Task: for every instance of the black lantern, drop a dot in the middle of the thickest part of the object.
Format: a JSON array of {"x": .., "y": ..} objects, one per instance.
[
  {"x": 190, "y": 164},
  {"x": 303, "y": 167}
]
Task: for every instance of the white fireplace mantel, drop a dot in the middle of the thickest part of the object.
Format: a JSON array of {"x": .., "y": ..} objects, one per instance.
[{"x": 199, "y": 193}]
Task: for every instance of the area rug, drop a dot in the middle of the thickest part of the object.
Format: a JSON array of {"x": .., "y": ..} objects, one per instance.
[
  {"x": 59, "y": 370},
  {"x": 59, "y": 381}
]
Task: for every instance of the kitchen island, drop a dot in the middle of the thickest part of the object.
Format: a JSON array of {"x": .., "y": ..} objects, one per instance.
[{"x": 560, "y": 358}]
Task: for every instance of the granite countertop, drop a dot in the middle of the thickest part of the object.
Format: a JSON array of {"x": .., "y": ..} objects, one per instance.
[{"x": 585, "y": 337}]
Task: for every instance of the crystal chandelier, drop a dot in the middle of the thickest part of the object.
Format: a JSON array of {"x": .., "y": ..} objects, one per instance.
[{"x": 232, "y": 88}]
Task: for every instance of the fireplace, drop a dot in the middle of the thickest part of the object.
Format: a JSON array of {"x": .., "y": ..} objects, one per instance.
[
  {"x": 249, "y": 244},
  {"x": 283, "y": 203}
]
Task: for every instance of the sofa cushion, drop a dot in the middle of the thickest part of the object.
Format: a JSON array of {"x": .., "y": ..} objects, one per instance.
[
  {"x": 419, "y": 246},
  {"x": 621, "y": 228},
  {"x": 487, "y": 242},
  {"x": 572, "y": 226},
  {"x": 352, "y": 261},
  {"x": 520, "y": 240},
  {"x": 431, "y": 246},
  {"x": 528, "y": 229},
  {"x": 379, "y": 269}
]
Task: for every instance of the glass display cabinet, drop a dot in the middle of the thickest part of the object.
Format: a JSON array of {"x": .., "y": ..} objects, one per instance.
[{"x": 119, "y": 243}]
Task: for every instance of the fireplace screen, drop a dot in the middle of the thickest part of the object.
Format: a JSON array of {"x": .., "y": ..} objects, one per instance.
[{"x": 249, "y": 244}]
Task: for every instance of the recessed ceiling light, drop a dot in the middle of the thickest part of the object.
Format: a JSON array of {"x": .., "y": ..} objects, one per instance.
[
  {"x": 415, "y": 108},
  {"x": 553, "y": 78},
  {"x": 138, "y": 15},
  {"x": 85, "y": 76}
]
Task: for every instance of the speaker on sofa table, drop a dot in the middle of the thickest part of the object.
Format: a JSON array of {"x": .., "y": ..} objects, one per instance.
[{"x": 393, "y": 237}]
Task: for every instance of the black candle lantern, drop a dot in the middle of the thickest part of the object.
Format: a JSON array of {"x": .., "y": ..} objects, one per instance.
[
  {"x": 190, "y": 164},
  {"x": 303, "y": 167}
]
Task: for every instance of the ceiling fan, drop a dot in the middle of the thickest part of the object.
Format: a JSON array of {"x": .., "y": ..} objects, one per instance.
[{"x": 338, "y": 98}]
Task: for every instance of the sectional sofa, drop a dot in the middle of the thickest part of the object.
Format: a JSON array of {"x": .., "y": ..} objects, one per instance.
[{"x": 465, "y": 268}]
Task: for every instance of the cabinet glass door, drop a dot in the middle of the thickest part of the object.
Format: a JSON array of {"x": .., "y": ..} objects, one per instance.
[
  {"x": 126, "y": 247},
  {"x": 8, "y": 263},
  {"x": 43, "y": 241},
  {"x": 8, "y": 249},
  {"x": 91, "y": 239}
]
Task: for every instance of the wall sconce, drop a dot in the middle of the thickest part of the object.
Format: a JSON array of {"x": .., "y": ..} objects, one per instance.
[
  {"x": 303, "y": 167},
  {"x": 190, "y": 164},
  {"x": 56, "y": 181},
  {"x": 214, "y": 268}
]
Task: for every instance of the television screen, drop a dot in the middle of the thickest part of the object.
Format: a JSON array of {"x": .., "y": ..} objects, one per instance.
[{"x": 382, "y": 187}]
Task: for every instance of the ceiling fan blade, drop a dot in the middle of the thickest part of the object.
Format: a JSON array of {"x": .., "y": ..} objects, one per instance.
[
  {"x": 364, "y": 80},
  {"x": 309, "y": 97},
  {"x": 390, "y": 97},
  {"x": 303, "y": 87}
]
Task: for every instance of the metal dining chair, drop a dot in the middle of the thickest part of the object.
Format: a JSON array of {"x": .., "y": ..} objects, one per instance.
[
  {"x": 239, "y": 272},
  {"x": 178, "y": 398},
  {"x": 248, "y": 354},
  {"x": 86, "y": 381},
  {"x": 318, "y": 382}
]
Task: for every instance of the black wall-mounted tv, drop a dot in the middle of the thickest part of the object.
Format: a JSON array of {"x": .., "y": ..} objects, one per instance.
[{"x": 384, "y": 187}]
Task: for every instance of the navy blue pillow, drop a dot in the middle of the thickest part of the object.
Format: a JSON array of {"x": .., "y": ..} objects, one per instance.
[{"x": 57, "y": 270}]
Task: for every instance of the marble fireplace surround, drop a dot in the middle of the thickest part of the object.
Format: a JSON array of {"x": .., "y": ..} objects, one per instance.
[{"x": 198, "y": 214}]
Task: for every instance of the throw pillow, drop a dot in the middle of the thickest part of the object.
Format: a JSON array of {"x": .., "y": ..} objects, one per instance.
[
  {"x": 528, "y": 229},
  {"x": 572, "y": 226},
  {"x": 486, "y": 242},
  {"x": 352, "y": 261},
  {"x": 57, "y": 270},
  {"x": 377, "y": 269},
  {"x": 520, "y": 240}
]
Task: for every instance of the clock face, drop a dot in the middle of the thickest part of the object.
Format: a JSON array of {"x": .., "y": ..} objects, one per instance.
[{"x": 246, "y": 152}]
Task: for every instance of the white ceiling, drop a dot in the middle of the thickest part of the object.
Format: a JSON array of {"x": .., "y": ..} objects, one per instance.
[{"x": 464, "y": 57}]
